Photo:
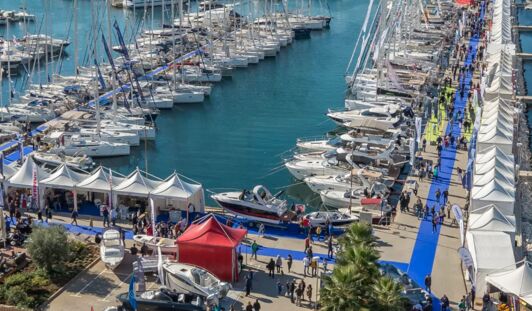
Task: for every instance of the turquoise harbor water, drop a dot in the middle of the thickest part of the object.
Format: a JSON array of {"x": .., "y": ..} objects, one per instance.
[
  {"x": 236, "y": 137},
  {"x": 525, "y": 18}
]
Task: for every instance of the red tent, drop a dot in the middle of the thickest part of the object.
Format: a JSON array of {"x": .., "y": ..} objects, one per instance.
[{"x": 211, "y": 245}]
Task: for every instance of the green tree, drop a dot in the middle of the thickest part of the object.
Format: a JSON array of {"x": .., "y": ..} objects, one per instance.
[
  {"x": 358, "y": 234},
  {"x": 49, "y": 248},
  {"x": 388, "y": 295},
  {"x": 341, "y": 291}
]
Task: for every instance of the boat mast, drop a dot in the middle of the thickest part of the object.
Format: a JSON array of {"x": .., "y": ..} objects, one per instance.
[
  {"x": 76, "y": 47},
  {"x": 110, "y": 45},
  {"x": 8, "y": 64}
]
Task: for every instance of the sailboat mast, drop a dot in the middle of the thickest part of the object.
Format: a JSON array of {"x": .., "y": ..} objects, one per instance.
[
  {"x": 110, "y": 44},
  {"x": 8, "y": 65},
  {"x": 76, "y": 47}
]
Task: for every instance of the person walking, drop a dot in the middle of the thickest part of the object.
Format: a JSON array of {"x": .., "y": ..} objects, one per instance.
[
  {"x": 462, "y": 304},
  {"x": 309, "y": 293},
  {"x": 249, "y": 307},
  {"x": 318, "y": 233},
  {"x": 438, "y": 195},
  {"x": 306, "y": 263},
  {"x": 428, "y": 282},
  {"x": 249, "y": 283},
  {"x": 114, "y": 215},
  {"x": 256, "y": 305},
  {"x": 74, "y": 217},
  {"x": 271, "y": 268},
  {"x": 279, "y": 288},
  {"x": 254, "y": 249},
  {"x": 434, "y": 224},
  {"x": 105, "y": 214},
  {"x": 424, "y": 144},
  {"x": 262, "y": 229},
  {"x": 289, "y": 261},
  {"x": 314, "y": 267},
  {"x": 444, "y": 303},
  {"x": 292, "y": 290},
  {"x": 445, "y": 196},
  {"x": 278, "y": 263},
  {"x": 330, "y": 247}
]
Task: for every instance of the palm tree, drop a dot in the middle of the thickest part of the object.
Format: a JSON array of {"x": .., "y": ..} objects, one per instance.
[
  {"x": 387, "y": 294},
  {"x": 358, "y": 234},
  {"x": 341, "y": 291}
]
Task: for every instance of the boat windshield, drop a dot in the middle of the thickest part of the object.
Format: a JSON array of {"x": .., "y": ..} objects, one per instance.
[
  {"x": 202, "y": 278},
  {"x": 335, "y": 142},
  {"x": 111, "y": 242}
]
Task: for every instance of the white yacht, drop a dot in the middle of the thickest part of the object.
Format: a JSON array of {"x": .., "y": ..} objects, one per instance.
[
  {"x": 341, "y": 164},
  {"x": 192, "y": 279},
  {"x": 258, "y": 204},
  {"x": 111, "y": 248},
  {"x": 357, "y": 178},
  {"x": 335, "y": 218},
  {"x": 168, "y": 246},
  {"x": 75, "y": 145}
]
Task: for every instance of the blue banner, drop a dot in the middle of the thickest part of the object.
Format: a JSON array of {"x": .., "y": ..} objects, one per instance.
[{"x": 131, "y": 294}]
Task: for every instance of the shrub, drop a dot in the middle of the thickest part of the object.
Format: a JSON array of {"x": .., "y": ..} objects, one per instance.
[
  {"x": 16, "y": 296},
  {"x": 49, "y": 248}
]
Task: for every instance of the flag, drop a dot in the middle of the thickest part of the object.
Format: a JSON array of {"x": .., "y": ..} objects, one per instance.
[
  {"x": 152, "y": 211},
  {"x": 35, "y": 189},
  {"x": 160, "y": 265},
  {"x": 110, "y": 188},
  {"x": 2, "y": 164},
  {"x": 131, "y": 294},
  {"x": 21, "y": 150}
]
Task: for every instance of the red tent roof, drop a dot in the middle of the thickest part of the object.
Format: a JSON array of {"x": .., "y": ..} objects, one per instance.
[{"x": 210, "y": 231}]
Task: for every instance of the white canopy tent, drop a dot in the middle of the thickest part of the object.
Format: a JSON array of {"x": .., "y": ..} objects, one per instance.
[
  {"x": 493, "y": 154},
  {"x": 23, "y": 178},
  {"x": 8, "y": 172},
  {"x": 494, "y": 192},
  {"x": 98, "y": 181},
  {"x": 495, "y": 134},
  {"x": 63, "y": 178},
  {"x": 179, "y": 194},
  {"x": 502, "y": 174},
  {"x": 517, "y": 282},
  {"x": 490, "y": 218},
  {"x": 491, "y": 252},
  {"x": 136, "y": 185}
]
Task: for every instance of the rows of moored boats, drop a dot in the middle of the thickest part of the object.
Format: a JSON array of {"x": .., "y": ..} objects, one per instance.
[
  {"x": 161, "y": 68},
  {"x": 394, "y": 75}
]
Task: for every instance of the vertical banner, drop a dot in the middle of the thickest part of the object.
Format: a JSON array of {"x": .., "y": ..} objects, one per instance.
[
  {"x": 35, "y": 189},
  {"x": 418, "y": 130},
  {"x": 457, "y": 211},
  {"x": 75, "y": 197},
  {"x": 152, "y": 212},
  {"x": 110, "y": 188},
  {"x": 412, "y": 151}
]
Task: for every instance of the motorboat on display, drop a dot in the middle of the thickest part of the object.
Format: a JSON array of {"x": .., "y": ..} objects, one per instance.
[
  {"x": 334, "y": 218},
  {"x": 350, "y": 198},
  {"x": 195, "y": 280},
  {"x": 258, "y": 204},
  {"x": 339, "y": 164},
  {"x": 358, "y": 178},
  {"x": 111, "y": 248},
  {"x": 168, "y": 246},
  {"x": 80, "y": 162},
  {"x": 390, "y": 114},
  {"x": 162, "y": 300}
]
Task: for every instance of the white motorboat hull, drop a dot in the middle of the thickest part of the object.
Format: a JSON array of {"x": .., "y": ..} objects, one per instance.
[
  {"x": 337, "y": 200},
  {"x": 168, "y": 247},
  {"x": 188, "y": 97}
]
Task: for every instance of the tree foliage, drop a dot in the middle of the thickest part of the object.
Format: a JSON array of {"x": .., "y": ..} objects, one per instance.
[
  {"x": 49, "y": 248},
  {"x": 356, "y": 283}
]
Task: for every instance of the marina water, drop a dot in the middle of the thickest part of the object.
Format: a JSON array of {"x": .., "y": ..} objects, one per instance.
[{"x": 236, "y": 138}]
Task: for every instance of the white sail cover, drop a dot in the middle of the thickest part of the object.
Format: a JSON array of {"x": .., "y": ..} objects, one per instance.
[
  {"x": 24, "y": 177},
  {"x": 517, "y": 281},
  {"x": 137, "y": 185},
  {"x": 63, "y": 178},
  {"x": 98, "y": 181}
]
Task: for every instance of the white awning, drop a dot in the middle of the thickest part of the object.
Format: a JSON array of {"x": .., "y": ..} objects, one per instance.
[
  {"x": 175, "y": 188},
  {"x": 490, "y": 218},
  {"x": 63, "y": 178},
  {"x": 137, "y": 185},
  {"x": 23, "y": 178},
  {"x": 517, "y": 282},
  {"x": 98, "y": 181}
]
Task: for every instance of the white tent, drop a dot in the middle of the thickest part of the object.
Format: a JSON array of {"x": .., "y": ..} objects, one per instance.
[
  {"x": 504, "y": 175},
  {"x": 490, "y": 218},
  {"x": 493, "y": 192},
  {"x": 136, "y": 185},
  {"x": 8, "y": 172},
  {"x": 24, "y": 177},
  {"x": 98, "y": 181},
  {"x": 495, "y": 134},
  {"x": 179, "y": 194},
  {"x": 517, "y": 282},
  {"x": 491, "y": 252},
  {"x": 63, "y": 178},
  {"x": 493, "y": 154},
  {"x": 482, "y": 168}
]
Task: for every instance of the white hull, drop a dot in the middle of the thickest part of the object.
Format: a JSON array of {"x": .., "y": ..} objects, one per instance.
[
  {"x": 168, "y": 246},
  {"x": 106, "y": 150},
  {"x": 337, "y": 200}
]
